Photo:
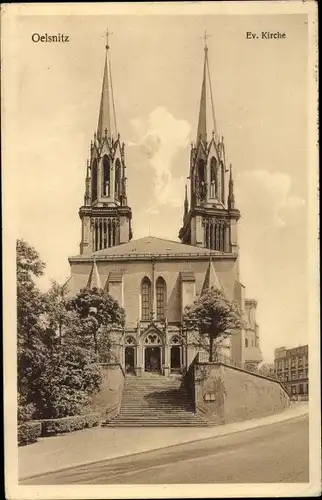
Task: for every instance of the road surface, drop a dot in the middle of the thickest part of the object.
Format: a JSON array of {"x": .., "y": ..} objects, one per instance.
[{"x": 271, "y": 454}]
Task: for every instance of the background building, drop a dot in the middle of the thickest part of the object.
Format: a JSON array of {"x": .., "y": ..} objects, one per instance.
[{"x": 292, "y": 369}]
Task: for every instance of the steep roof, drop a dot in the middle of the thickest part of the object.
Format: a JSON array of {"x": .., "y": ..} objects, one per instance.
[
  {"x": 211, "y": 279},
  {"x": 107, "y": 118},
  {"x": 206, "y": 110},
  {"x": 150, "y": 245},
  {"x": 94, "y": 278}
]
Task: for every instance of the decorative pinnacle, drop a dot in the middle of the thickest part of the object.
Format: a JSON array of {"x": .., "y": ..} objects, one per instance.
[{"x": 107, "y": 35}]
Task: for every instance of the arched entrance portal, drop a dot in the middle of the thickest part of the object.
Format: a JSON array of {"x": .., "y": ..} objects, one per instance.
[
  {"x": 176, "y": 353},
  {"x": 152, "y": 353}
]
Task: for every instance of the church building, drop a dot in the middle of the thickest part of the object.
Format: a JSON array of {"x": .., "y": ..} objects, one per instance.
[{"x": 154, "y": 279}]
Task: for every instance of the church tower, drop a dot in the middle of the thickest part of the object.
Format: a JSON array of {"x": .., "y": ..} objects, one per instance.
[
  {"x": 211, "y": 220},
  {"x": 105, "y": 215}
]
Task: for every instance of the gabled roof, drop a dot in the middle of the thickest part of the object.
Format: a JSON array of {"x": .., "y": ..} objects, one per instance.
[
  {"x": 150, "y": 245},
  {"x": 211, "y": 279},
  {"x": 94, "y": 278}
]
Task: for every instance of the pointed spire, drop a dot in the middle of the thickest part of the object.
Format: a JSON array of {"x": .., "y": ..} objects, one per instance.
[
  {"x": 211, "y": 278},
  {"x": 205, "y": 107},
  {"x": 94, "y": 278},
  {"x": 107, "y": 118},
  {"x": 231, "y": 196}
]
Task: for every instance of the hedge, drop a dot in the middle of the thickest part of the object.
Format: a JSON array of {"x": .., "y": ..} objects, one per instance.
[
  {"x": 55, "y": 426},
  {"x": 28, "y": 433}
]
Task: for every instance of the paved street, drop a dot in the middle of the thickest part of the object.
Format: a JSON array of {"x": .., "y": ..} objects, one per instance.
[{"x": 271, "y": 454}]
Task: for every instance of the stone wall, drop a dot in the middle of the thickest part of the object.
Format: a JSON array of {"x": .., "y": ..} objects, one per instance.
[
  {"x": 108, "y": 400},
  {"x": 225, "y": 394}
]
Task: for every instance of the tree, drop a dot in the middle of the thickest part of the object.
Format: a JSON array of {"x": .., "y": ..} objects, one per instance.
[
  {"x": 31, "y": 346},
  {"x": 212, "y": 317},
  {"x": 54, "y": 379},
  {"x": 267, "y": 369},
  {"x": 30, "y": 302},
  {"x": 71, "y": 376},
  {"x": 61, "y": 323},
  {"x": 99, "y": 313}
]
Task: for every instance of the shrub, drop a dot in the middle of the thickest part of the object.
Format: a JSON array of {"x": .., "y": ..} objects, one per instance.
[
  {"x": 28, "y": 433},
  {"x": 25, "y": 412},
  {"x": 54, "y": 426}
]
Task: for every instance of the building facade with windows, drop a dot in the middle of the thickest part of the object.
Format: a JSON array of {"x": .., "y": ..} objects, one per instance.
[
  {"x": 154, "y": 279},
  {"x": 292, "y": 369}
]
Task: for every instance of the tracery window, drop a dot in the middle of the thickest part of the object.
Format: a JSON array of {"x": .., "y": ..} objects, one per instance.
[
  {"x": 213, "y": 178},
  {"x": 175, "y": 340},
  {"x": 129, "y": 340},
  {"x": 146, "y": 301},
  {"x": 106, "y": 176},
  {"x": 152, "y": 339},
  {"x": 161, "y": 298}
]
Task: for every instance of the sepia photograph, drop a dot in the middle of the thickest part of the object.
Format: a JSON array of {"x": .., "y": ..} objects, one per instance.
[{"x": 161, "y": 289}]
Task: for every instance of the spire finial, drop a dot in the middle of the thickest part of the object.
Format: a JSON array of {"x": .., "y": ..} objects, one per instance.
[
  {"x": 107, "y": 35},
  {"x": 205, "y": 37}
]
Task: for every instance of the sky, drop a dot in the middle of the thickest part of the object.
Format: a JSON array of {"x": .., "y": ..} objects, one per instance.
[{"x": 260, "y": 98}]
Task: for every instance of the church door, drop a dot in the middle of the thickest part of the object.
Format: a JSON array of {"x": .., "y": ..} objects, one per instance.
[
  {"x": 152, "y": 359},
  {"x": 129, "y": 359},
  {"x": 175, "y": 358}
]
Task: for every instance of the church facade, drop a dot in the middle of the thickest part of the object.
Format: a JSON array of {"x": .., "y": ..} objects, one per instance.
[{"x": 154, "y": 279}]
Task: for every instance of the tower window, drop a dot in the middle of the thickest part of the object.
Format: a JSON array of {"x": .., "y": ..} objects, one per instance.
[
  {"x": 201, "y": 178},
  {"x": 106, "y": 176},
  {"x": 161, "y": 298},
  {"x": 117, "y": 179},
  {"x": 94, "y": 180},
  {"x": 246, "y": 342},
  {"x": 146, "y": 301},
  {"x": 213, "y": 178}
]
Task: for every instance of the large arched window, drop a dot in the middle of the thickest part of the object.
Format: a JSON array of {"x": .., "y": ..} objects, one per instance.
[
  {"x": 117, "y": 179},
  {"x": 213, "y": 178},
  {"x": 161, "y": 298},
  {"x": 146, "y": 301},
  {"x": 106, "y": 176},
  {"x": 94, "y": 180}
]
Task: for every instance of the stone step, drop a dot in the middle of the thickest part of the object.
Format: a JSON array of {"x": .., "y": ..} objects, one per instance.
[{"x": 155, "y": 424}]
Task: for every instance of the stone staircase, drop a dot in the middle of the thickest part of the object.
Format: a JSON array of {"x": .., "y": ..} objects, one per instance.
[{"x": 155, "y": 401}]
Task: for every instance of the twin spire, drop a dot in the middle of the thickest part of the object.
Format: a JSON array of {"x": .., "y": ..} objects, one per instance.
[
  {"x": 207, "y": 119},
  {"x": 107, "y": 117}
]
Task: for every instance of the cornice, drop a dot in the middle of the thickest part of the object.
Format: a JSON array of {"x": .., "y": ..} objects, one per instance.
[{"x": 155, "y": 257}]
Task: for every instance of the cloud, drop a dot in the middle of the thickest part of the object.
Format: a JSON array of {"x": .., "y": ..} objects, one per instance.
[
  {"x": 266, "y": 195},
  {"x": 161, "y": 137}
]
